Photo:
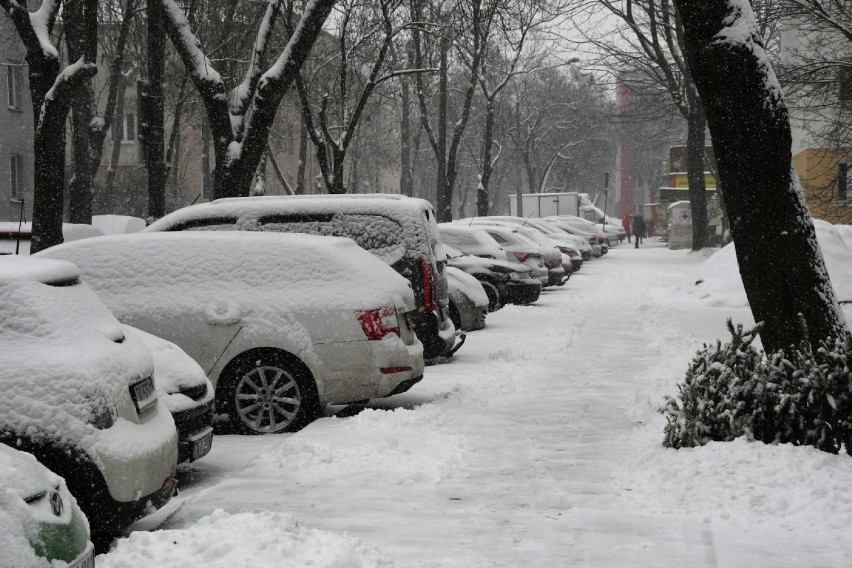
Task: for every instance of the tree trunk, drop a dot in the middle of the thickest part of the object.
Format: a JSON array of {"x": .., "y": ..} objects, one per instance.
[
  {"x": 49, "y": 186},
  {"x": 206, "y": 178},
  {"x": 780, "y": 261},
  {"x": 695, "y": 172},
  {"x": 405, "y": 174},
  {"x": 80, "y": 186},
  {"x": 112, "y": 168},
  {"x": 482, "y": 201},
  {"x": 303, "y": 158},
  {"x": 444, "y": 191},
  {"x": 154, "y": 136}
]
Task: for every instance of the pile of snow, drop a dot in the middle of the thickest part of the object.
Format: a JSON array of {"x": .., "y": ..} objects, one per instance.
[
  {"x": 717, "y": 282},
  {"x": 223, "y": 540}
]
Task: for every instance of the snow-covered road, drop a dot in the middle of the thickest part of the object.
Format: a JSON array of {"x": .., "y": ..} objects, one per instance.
[{"x": 539, "y": 445}]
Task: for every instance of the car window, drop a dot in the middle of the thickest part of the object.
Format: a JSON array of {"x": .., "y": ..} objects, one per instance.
[
  {"x": 207, "y": 224},
  {"x": 378, "y": 234},
  {"x": 499, "y": 238}
]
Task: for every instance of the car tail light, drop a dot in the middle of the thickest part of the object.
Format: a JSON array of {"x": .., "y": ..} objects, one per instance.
[
  {"x": 379, "y": 322},
  {"x": 522, "y": 256},
  {"x": 593, "y": 240},
  {"x": 427, "y": 276}
]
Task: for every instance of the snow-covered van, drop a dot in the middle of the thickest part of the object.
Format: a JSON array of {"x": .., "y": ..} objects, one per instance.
[
  {"x": 79, "y": 394},
  {"x": 399, "y": 230}
]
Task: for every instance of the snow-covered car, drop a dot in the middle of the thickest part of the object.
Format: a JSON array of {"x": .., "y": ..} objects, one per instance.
[
  {"x": 399, "y": 230},
  {"x": 504, "y": 282},
  {"x": 471, "y": 240},
  {"x": 597, "y": 243},
  {"x": 468, "y": 300},
  {"x": 282, "y": 324},
  {"x": 40, "y": 523},
  {"x": 525, "y": 251},
  {"x": 185, "y": 391},
  {"x": 79, "y": 394},
  {"x": 552, "y": 252}
]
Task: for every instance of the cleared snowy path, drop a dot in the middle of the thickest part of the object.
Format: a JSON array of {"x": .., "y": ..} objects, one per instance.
[{"x": 533, "y": 448}]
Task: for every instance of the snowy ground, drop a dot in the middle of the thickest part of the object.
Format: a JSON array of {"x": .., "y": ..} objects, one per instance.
[{"x": 538, "y": 446}]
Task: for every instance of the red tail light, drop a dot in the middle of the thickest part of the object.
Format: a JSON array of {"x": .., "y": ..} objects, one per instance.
[
  {"x": 522, "y": 256},
  {"x": 379, "y": 323},
  {"x": 593, "y": 240},
  {"x": 426, "y": 276}
]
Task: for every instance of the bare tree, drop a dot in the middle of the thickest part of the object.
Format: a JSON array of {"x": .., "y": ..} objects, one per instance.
[
  {"x": 52, "y": 90},
  {"x": 363, "y": 41},
  {"x": 240, "y": 121},
  {"x": 780, "y": 261},
  {"x": 466, "y": 26}
]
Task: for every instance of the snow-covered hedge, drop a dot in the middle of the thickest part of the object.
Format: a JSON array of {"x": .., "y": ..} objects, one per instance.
[{"x": 734, "y": 389}]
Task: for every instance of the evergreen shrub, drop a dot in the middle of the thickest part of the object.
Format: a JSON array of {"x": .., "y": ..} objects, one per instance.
[{"x": 733, "y": 389}]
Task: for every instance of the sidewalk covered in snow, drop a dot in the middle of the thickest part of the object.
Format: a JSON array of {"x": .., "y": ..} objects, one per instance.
[{"x": 539, "y": 445}]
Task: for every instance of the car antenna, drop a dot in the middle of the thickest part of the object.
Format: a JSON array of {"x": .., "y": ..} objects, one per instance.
[
  {"x": 472, "y": 219},
  {"x": 528, "y": 218},
  {"x": 197, "y": 197},
  {"x": 20, "y": 224}
]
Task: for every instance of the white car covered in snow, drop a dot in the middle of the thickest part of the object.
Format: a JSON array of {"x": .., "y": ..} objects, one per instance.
[
  {"x": 468, "y": 300},
  {"x": 283, "y": 324},
  {"x": 78, "y": 394}
]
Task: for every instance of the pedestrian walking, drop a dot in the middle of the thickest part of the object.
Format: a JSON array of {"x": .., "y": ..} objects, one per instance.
[
  {"x": 638, "y": 229},
  {"x": 625, "y": 224}
]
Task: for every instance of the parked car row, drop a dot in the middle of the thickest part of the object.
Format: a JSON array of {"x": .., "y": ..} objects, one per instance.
[{"x": 119, "y": 352}]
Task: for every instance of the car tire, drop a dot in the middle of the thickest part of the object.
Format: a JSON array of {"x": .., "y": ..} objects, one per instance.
[
  {"x": 495, "y": 302},
  {"x": 267, "y": 392}
]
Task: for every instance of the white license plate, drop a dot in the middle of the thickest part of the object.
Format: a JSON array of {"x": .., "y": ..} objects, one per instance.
[
  {"x": 86, "y": 560},
  {"x": 144, "y": 394},
  {"x": 201, "y": 447}
]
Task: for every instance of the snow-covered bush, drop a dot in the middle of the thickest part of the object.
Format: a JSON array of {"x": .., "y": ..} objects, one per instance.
[{"x": 734, "y": 389}]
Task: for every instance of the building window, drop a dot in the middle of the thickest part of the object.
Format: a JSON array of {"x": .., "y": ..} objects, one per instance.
[
  {"x": 16, "y": 176},
  {"x": 14, "y": 85},
  {"x": 126, "y": 125}
]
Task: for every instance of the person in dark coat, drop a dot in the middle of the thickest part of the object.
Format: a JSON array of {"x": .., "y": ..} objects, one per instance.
[{"x": 638, "y": 229}]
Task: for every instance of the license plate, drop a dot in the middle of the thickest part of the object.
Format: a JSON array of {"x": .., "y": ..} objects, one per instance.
[
  {"x": 144, "y": 394},
  {"x": 86, "y": 560},
  {"x": 201, "y": 447}
]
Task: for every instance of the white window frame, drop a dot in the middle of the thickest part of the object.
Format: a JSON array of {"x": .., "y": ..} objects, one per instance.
[
  {"x": 126, "y": 118},
  {"x": 14, "y": 86},
  {"x": 16, "y": 176}
]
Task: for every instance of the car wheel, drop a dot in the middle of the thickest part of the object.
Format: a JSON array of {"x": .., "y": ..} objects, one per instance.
[
  {"x": 268, "y": 393},
  {"x": 494, "y": 300}
]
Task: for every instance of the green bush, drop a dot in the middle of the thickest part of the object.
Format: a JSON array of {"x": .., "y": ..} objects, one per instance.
[{"x": 734, "y": 389}]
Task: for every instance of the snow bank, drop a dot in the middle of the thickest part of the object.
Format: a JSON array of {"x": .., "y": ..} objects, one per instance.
[
  {"x": 780, "y": 487},
  {"x": 222, "y": 540},
  {"x": 717, "y": 282}
]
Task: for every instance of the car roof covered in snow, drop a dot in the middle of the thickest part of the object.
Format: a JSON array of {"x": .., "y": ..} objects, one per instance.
[
  {"x": 390, "y": 204},
  {"x": 178, "y": 271}
]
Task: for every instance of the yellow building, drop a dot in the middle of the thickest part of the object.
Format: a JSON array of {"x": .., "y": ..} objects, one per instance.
[{"x": 823, "y": 174}]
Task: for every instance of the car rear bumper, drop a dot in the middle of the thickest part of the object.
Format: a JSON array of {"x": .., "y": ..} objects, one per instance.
[
  {"x": 193, "y": 426},
  {"x": 136, "y": 459},
  {"x": 360, "y": 370},
  {"x": 525, "y": 292},
  {"x": 556, "y": 276}
]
